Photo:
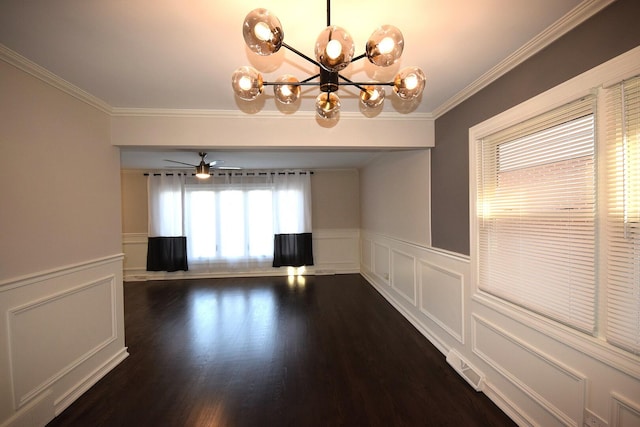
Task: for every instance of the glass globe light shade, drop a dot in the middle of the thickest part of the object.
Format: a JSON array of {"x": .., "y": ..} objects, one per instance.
[
  {"x": 247, "y": 83},
  {"x": 262, "y": 32},
  {"x": 385, "y": 46},
  {"x": 372, "y": 96},
  {"x": 409, "y": 83},
  {"x": 334, "y": 48},
  {"x": 327, "y": 105},
  {"x": 286, "y": 93}
]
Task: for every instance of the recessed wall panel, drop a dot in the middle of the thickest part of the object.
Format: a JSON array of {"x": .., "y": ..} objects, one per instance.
[
  {"x": 365, "y": 254},
  {"x": 441, "y": 298},
  {"x": 404, "y": 276},
  {"x": 381, "y": 261},
  {"x": 550, "y": 383},
  {"x": 625, "y": 413},
  {"x": 49, "y": 336},
  {"x": 336, "y": 250}
]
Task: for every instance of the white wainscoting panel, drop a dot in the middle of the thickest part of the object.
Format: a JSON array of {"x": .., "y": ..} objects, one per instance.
[
  {"x": 381, "y": 261},
  {"x": 366, "y": 254},
  {"x": 68, "y": 326},
  {"x": 335, "y": 251},
  {"x": 442, "y": 298},
  {"x": 403, "y": 280},
  {"x": 624, "y": 412},
  {"x": 134, "y": 246},
  {"x": 537, "y": 375},
  {"x": 63, "y": 330},
  {"x": 415, "y": 290},
  {"x": 545, "y": 380}
]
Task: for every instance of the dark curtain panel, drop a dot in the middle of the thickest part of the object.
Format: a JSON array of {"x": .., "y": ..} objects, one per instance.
[
  {"x": 167, "y": 254},
  {"x": 292, "y": 250}
]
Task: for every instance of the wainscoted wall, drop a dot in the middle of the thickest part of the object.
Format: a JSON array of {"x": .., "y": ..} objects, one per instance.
[
  {"x": 539, "y": 374},
  {"x": 62, "y": 330},
  {"x": 335, "y": 251}
]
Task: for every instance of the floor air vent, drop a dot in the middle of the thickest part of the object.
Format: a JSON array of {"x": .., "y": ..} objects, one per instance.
[{"x": 466, "y": 371}]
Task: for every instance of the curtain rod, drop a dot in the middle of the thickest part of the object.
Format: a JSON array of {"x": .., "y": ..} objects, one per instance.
[{"x": 229, "y": 173}]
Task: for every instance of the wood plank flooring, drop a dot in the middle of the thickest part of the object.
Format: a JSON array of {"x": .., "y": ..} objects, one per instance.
[{"x": 266, "y": 352}]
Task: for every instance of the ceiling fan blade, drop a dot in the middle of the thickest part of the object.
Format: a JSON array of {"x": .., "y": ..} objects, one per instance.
[
  {"x": 182, "y": 163},
  {"x": 228, "y": 168}
]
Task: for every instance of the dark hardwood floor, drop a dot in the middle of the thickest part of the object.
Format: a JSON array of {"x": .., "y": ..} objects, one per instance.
[{"x": 264, "y": 352}]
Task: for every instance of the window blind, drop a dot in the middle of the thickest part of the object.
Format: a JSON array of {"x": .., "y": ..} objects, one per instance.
[
  {"x": 536, "y": 214},
  {"x": 623, "y": 215}
]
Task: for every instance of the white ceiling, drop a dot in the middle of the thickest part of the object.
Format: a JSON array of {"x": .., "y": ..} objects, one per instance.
[{"x": 171, "y": 54}]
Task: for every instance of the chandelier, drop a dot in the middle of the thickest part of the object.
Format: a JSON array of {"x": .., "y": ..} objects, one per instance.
[{"x": 334, "y": 51}]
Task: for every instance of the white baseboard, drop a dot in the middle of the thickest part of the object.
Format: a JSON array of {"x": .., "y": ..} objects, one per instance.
[
  {"x": 86, "y": 383},
  {"x": 535, "y": 371},
  {"x": 428, "y": 333},
  {"x": 507, "y": 406},
  {"x": 36, "y": 413}
]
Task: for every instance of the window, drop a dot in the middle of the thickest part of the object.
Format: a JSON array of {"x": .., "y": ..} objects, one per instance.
[
  {"x": 231, "y": 221},
  {"x": 536, "y": 187},
  {"x": 623, "y": 215},
  {"x": 555, "y": 196},
  {"x": 224, "y": 223}
]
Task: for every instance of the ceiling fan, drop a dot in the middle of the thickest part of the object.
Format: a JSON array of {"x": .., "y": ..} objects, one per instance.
[{"x": 202, "y": 169}]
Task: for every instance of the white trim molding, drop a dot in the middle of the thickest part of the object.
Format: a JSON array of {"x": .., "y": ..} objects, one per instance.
[
  {"x": 559, "y": 374},
  {"x": 430, "y": 283},
  {"x": 624, "y": 412},
  {"x": 383, "y": 271},
  {"x": 238, "y": 114},
  {"x": 535, "y": 376},
  {"x": 32, "y": 309},
  {"x": 403, "y": 275},
  {"x": 66, "y": 399},
  {"x": 10, "y": 57},
  {"x": 618, "y": 68},
  {"x": 31, "y": 279},
  {"x": 575, "y": 17},
  {"x": 63, "y": 330},
  {"x": 573, "y": 383}
]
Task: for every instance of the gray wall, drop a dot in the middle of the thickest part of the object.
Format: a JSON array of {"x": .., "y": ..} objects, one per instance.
[{"x": 609, "y": 33}]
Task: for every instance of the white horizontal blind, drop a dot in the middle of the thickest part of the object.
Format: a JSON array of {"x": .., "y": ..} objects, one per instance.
[
  {"x": 623, "y": 215},
  {"x": 536, "y": 214}
]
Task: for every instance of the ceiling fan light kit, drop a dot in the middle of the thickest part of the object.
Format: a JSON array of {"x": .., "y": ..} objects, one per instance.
[
  {"x": 203, "y": 169},
  {"x": 334, "y": 51}
]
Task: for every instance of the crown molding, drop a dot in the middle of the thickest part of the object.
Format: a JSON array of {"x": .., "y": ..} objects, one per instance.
[
  {"x": 238, "y": 114},
  {"x": 572, "y": 19},
  {"x": 178, "y": 112},
  {"x": 13, "y": 58}
]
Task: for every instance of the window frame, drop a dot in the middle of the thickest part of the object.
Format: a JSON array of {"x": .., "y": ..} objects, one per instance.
[
  {"x": 591, "y": 82},
  {"x": 516, "y": 220}
]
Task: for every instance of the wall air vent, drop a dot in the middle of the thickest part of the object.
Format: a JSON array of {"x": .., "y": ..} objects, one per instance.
[{"x": 466, "y": 371}]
